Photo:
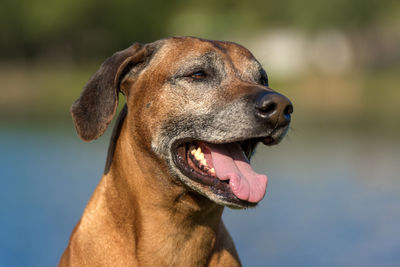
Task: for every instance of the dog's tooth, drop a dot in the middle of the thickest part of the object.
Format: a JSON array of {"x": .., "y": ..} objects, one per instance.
[
  {"x": 203, "y": 161},
  {"x": 212, "y": 171},
  {"x": 200, "y": 156},
  {"x": 198, "y": 153}
]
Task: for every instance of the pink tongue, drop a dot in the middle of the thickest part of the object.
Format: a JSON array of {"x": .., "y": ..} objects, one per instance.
[{"x": 231, "y": 164}]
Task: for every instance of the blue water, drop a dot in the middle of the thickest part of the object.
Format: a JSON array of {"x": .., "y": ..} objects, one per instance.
[{"x": 331, "y": 200}]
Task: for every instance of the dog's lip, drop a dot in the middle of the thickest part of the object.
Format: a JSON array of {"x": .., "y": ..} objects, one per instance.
[{"x": 213, "y": 184}]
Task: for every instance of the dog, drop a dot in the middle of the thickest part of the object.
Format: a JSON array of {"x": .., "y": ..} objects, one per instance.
[{"x": 179, "y": 152}]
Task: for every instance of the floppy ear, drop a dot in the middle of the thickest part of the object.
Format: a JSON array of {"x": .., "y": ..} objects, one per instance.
[{"x": 95, "y": 108}]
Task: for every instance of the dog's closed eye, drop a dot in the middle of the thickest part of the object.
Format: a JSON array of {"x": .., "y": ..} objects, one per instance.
[{"x": 198, "y": 75}]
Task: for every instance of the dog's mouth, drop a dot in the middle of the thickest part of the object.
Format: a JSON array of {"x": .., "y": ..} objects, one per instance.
[{"x": 223, "y": 169}]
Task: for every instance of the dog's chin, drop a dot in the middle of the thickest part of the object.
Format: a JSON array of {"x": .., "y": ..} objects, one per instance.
[{"x": 195, "y": 170}]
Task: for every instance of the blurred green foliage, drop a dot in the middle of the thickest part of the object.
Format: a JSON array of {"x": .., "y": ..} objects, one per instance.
[{"x": 88, "y": 29}]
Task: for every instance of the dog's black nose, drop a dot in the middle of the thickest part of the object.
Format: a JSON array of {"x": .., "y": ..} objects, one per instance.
[{"x": 271, "y": 107}]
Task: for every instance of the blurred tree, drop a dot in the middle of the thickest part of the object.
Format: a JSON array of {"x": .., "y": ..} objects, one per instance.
[{"x": 87, "y": 29}]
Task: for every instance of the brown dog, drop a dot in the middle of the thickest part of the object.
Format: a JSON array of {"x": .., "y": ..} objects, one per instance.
[{"x": 195, "y": 110}]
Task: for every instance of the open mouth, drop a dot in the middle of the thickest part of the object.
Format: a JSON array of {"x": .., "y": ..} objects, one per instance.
[{"x": 223, "y": 169}]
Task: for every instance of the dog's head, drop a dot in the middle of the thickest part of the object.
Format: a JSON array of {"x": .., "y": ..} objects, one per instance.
[{"x": 200, "y": 106}]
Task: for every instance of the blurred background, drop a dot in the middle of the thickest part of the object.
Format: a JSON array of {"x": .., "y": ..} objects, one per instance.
[{"x": 333, "y": 197}]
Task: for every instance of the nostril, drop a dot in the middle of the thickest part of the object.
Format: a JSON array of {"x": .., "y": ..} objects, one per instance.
[
  {"x": 269, "y": 108},
  {"x": 288, "y": 110}
]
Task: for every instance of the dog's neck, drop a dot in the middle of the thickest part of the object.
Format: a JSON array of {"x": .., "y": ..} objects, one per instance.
[{"x": 166, "y": 222}]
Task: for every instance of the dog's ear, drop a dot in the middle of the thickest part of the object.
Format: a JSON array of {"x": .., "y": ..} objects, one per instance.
[{"x": 96, "y": 106}]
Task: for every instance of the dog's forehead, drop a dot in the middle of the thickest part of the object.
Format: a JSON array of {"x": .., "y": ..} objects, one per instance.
[{"x": 181, "y": 49}]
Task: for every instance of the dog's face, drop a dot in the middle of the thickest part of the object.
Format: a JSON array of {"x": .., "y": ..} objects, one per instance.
[{"x": 202, "y": 107}]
